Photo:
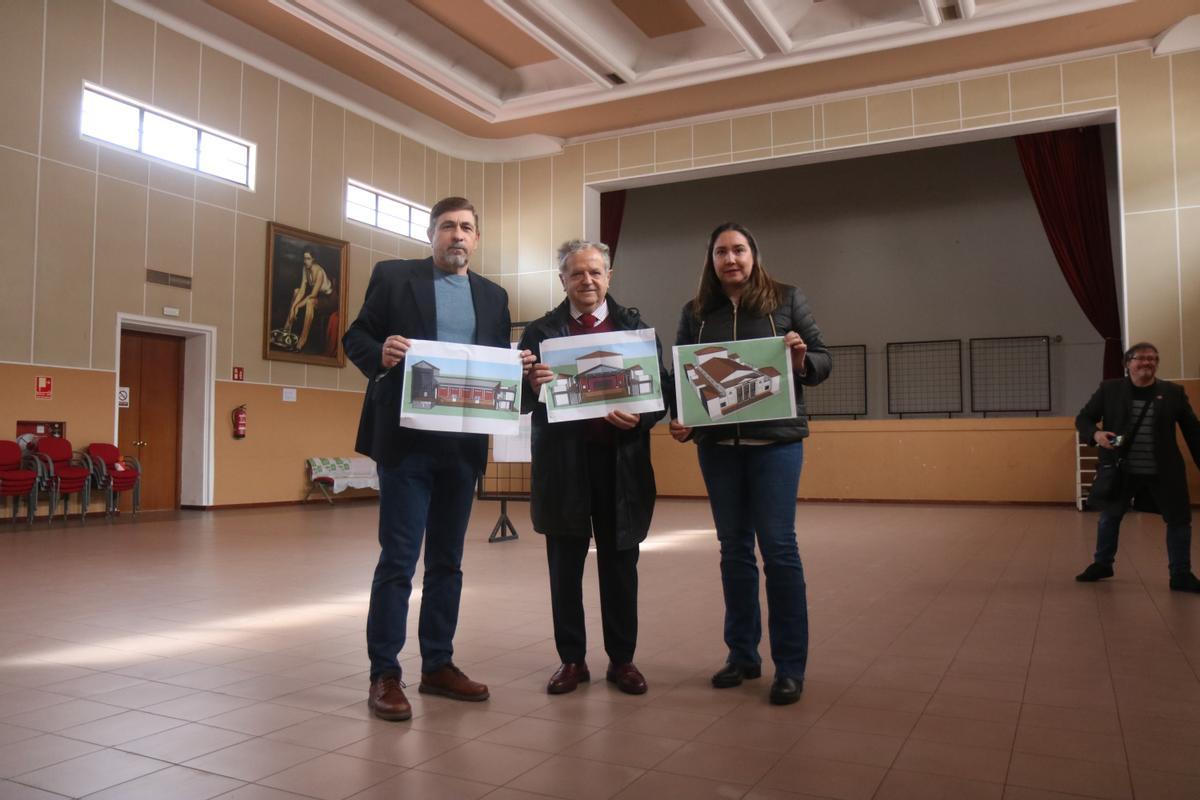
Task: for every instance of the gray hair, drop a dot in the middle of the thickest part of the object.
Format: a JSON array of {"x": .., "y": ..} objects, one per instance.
[{"x": 569, "y": 248}]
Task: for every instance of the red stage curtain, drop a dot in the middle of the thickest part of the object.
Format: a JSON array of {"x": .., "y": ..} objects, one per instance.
[
  {"x": 1065, "y": 171},
  {"x": 612, "y": 211}
]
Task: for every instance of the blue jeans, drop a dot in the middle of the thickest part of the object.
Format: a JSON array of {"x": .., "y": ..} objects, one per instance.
[
  {"x": 1108, "y": 530},
  {"x": 426, "y": 497},
  {"x": 752, "y": 491}
]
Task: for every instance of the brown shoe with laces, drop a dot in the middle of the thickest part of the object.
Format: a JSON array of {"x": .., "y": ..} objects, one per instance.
[
  {"x": 627, "y": 678},
  {"x": 387, "y": 699},
  {"x": 568, "y": 677},
  {"x": 449, "y": 681}
]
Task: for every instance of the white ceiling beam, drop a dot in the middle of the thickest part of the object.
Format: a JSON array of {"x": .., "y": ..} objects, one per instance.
[
  {"x": 933, "y": 15},
  {"x": 516, "y": 13},
  {"x": 735, "y": 27},
  {"x": 771, "y": 24},
  {"x": 966, "y": 9},
  {"x": 600, "y": 38}
]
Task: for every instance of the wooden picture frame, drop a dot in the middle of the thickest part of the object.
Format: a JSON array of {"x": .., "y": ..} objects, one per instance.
[{"x": 305, "y": 298}]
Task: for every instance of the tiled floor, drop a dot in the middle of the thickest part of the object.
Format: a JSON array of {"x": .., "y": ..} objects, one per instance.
[{"x": 221, "y": 655}]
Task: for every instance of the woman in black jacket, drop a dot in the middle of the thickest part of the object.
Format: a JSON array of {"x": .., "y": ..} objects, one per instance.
[{"x": 752, "y": 470}]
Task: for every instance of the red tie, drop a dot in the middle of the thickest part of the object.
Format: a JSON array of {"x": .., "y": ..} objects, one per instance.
[{"x": 587, "y": 321}]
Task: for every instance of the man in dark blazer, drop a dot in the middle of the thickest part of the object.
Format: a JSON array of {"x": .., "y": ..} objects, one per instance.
[
  {"x": 1152, "y": 466},
  {"x": 426, "y": 479}
]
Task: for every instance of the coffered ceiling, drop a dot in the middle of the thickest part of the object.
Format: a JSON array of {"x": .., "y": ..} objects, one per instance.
[{"x": 566, "y": 68}]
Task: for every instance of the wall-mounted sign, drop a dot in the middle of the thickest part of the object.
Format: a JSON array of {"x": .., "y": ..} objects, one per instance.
[
  {"x": 239, "y": 373},
  {"x": 289, "y": 395},
  {"x": 122, "y": 397},
  {"x": 43, "y": 387}
]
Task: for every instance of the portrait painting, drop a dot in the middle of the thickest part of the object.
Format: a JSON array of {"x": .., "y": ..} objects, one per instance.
[{"x": 305, "y": 313}]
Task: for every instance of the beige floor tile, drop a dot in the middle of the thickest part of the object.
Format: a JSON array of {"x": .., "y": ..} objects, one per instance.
[
  {"x": 425, "y": 785},
  {"x": 328, "y": 732},
  {"x": 198, "y": 706},
  {"x": 1084, "y": 720},
  {"x": 184, "y": 743},
  {"x": 538, "y": 734},
  {"x": 122, "y": 728},
  {"x": 450, "y": 718},
  {"x": 253, "y": 759},
  {"x": 145, "y": 693},
  {"x": 1068, "y": 775},
  {"x": 63, "y": 715},
  {"x": 1080, "y": 745},
  {"x": 260, "y": 718},
  {"x": 655, "y": 785},
  {"x": 625, "y": 748},
  {"x": 753, "y": 734},
  {"x": 40, "y": 751},
  {"x": 825, "y": 778},
  {"x": 253, "y": 791},
  {"x": 1153, "y": 785},
  {"x": 724, "y": 763},
  {"x": 576, "y": 778},
  {"x": 266, "y": 687},
  {"x": 952, "y": 705},
  {"x": 956, "y": 760},
  {"x": 901, "y": 784},
  {"x": 17, "y": 791},
  {"x": 91, "y": 773},
  {"x": 484, "y": 762},
  {"x": 92, "y": 685},
  {"x": 176, "y": 783},
  {"x": 857, "y": 748},
  {"x": 403, "y": 746},
  {"x": 14, "y": 733},
  {"x": 331, "y": 776},
  {"x": 972, "y": 732},
  {"x": 868, "y": 720}
]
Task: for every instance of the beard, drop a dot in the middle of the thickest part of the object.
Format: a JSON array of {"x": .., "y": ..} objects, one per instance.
[{"x": 453, "y": 258}]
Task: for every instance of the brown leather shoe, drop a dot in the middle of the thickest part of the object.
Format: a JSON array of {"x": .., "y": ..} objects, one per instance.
[
  {"x": 627, "y": 678},
  {"x": 449, "y": 681},
  {"x": 387, "y": 699},
  {"x": 568, "y": 677}
]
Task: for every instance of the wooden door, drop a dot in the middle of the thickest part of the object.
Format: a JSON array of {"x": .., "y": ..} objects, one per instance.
[{"x": 150, "y": 429}]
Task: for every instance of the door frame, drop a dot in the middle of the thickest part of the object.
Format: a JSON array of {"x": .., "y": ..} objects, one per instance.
[{"x": 196, "y": 454}]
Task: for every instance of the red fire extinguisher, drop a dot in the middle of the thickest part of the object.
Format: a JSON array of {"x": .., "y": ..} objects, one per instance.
[{"x": 239, "y": 422}]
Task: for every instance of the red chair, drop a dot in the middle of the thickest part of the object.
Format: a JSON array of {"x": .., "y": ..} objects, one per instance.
[
  {"x": 18, "y": 478},
  {"x": 64, "y": 473},
  {"x": 115, "y": 473}
]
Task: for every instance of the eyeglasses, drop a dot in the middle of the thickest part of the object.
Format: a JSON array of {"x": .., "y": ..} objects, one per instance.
[{"x": 1147, "y": 359}]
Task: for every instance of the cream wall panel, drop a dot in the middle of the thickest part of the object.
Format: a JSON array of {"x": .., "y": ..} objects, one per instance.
[
  {"x": 169, "y": 235},
  {"x": 1089, "y": 79},
  {"x": 285, "y": 373},
  {"x": 845, "y": 118},
  {"x": 752, "y": 133},
  {"x": 533, "y": 297},
  {"x": 711, "y": 139},
  {"x": 260, "y": 99},
  {"x": 171, "y": 179},
  {"x": 1035, "y": 88},
  {"x": 1185, "y": 81},
  {"x": 431, "y": 177},
  {"x": 159, "y": 298},
  {"x": 1189, "y": 283},
  {"x": 936, "y": 104},
  {"x": 20, "y": 74},
  {"x": 534, "y": 245},
  {"x": 443, "y": 176},
  {"x": 212, "y": 280},
  {"x": 491, "y": 224},
  {"x": 221, "y": 108},
  {"x": 72, "y": 56},
  {"x": 458, "y": 178},
  {"x": 385, "y": 160},
  {"x": 66, "y": 212},
  {"x": 128, "y": 65},
  {"x": 567, "y": 198},
  {"x": 412, "y": 170},
  {"x": 1152, "y": 285},
  {"x": 601, "y": 156},
  {"x": 360, "y": 275},
  {"x": 120, "y": 281},
  {"x": 321, "y": 377},
  {"x": 636, "y": 150},
  {"x": 18, "y": 176},
  {"x": 792, "y": 126},
  {"x": 510, "y": 227},
  {"x": 327, "y": 203},
  {"x": 176, "y": 73},
  {"x": 249, "y": 279},
  {"x": 124, "y": 165},
  {"x": 216, "y": 192},
  {"x": 892, "y": 110},
  {"x": 293, "y": 156},
  {"x": 673, "y": 144},
  {"x": 985, "y": 96},
  {"x": 358, "y": 155},
  {"x": 473, "y": 183},
  {"x": 1144, "y": 88},
  {"x": 385, "y": 245}
]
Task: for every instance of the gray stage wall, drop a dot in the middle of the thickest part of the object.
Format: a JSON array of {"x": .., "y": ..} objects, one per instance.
[{"x": 941, "y": 243}]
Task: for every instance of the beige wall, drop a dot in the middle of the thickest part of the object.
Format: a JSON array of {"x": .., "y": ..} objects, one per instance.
[{"x": 79, "y": 223}]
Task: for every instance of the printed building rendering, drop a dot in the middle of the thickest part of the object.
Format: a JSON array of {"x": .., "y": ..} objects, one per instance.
[
  {"x": 725, "y": 383},
  {"x": 601, "y": 375},
  {"x": 429, "y": 388}
]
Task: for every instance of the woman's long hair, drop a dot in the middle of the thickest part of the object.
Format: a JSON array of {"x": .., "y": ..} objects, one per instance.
[{"x": 762, "y": 294}]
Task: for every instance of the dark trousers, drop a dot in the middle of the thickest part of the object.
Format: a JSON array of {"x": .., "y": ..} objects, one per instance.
[
  {"x": 425, "y": 498},
  {"x": 617, "y": 570},
  {"x": 1108, "y": 530}
]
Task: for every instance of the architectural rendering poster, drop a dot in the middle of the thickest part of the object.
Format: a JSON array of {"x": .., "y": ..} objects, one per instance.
[
  {"x": 724, "y": 382},
  {"x": 463, "y": 388},
  {"x": 601, "y": 372}
]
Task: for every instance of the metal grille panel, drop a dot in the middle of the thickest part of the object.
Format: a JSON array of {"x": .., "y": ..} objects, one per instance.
[
  {"x": 925, "y": 377},
  {"x": 844, "y": 393},
  {"x": 1010, "y": 374}
]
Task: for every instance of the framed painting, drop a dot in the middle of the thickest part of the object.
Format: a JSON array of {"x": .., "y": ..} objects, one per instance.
[{"x": 305, "y": 297}]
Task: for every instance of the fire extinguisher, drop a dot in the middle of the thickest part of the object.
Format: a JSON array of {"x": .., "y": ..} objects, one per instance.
[{"x": 239, "y": 422}]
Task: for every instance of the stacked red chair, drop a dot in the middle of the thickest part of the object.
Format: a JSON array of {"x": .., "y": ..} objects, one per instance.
[
  {"x": 18, "y": 478},
  {"x": 64, "y": 473},
  {"x": 115, "y": 473}
]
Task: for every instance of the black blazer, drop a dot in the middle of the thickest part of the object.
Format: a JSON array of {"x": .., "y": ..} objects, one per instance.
[
  {"x": 1112, "y": 408},
  {"x": 400, "y": 301}
]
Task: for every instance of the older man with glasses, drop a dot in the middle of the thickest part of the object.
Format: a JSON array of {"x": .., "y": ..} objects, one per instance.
[{"x": 1133, "y": 420}]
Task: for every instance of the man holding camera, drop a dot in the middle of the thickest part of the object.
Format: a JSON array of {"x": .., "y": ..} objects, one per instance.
[{"x": 1133, "y": 420}]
